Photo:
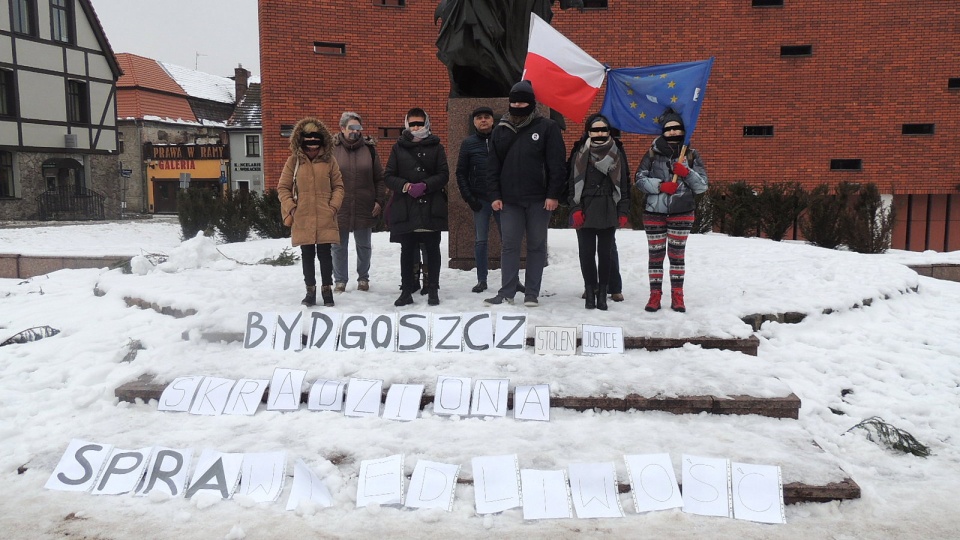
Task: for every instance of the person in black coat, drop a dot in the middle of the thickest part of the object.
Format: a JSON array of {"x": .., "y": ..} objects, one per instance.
[
  {"x": 526, "y": 171},
  {"x": 599, "y": 203},
  {"x": 472, "y": 182},
  {"x": 417, "y": 173}
]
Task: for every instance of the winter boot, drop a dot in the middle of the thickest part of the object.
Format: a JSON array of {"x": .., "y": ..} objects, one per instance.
[
  {"x": 426, "y": 279},
  {"x": 327, "y": 294},
  {"x": 310, "y": 299},
  {"x": 602, "y": 297},
  {"x": 676, "y": 300},
  {"x": 654, "y": 303},
  {"x": 590, "y": 298},
  {"x": 416, "y": 277},
  {"x": 433, "y": 295},
  {"x": 405, "y": 299}
]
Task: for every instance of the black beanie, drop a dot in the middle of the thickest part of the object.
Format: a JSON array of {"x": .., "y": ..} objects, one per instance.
[
  {"x": 672, "y": 117},
  {"x": 522, "y": 92},
  {"x": 481, "y": 110}
]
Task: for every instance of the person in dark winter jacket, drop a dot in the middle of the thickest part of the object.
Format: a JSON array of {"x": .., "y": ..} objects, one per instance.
[
  {"x": 615, "y": 283},
  {"x": 599, "y": 203},
  {"x": 669, "y": 210},
  {"x": 417, "y": 173},
  {"x": 362, "y": 202},
  {"x": 472, "y": 182},
  {"x": 526, "y": 171}
]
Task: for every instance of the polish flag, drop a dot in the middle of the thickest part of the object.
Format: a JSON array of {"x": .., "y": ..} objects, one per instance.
[{"x": 564, "y": 77}]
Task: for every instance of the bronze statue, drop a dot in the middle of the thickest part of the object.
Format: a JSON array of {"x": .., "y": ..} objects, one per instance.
[{"x": 483, "y": 43}]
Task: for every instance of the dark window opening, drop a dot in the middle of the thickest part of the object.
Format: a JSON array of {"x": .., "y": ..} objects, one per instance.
[
  {"x": 8, "y": 98},
  {"x": 953, "y": 83},
  {"x": 758, "y": 131},
  {"x": 61, "y": 20},
  {"x": 120, "y": 146},
  {"x": 7, "y": 187},
  {"x": 846, "y": 164},
  {"x": 78, "y": 104},
  {"x": 24, "y": 17},
  {"x": 796, "y": 50},
  {"x": 286, "y": 130},
  {"x": 390, "y": 132},
  {"x": 595, "y": 4},
  {"x": 324, "y": 47},
  {"x": 390, "y": 3},
  {"x": 253, "y": 145},
  {"x": 767, "y": 3},
  {"x": 918, "y": 129}
]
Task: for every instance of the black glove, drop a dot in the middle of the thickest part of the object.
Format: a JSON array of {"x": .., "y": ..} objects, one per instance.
[{"x": 475, "y": 205}]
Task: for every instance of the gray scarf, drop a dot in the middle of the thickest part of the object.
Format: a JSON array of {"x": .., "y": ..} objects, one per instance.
[{"x": 605, "y": 158}]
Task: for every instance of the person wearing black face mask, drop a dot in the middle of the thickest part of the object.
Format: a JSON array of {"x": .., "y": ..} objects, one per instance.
[
  {"x": 599, "y": 203},
  {"x": 670, "y": 205},
  {"x": 365, "y": 195}
]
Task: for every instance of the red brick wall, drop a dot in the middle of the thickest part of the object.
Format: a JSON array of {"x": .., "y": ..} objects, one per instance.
[{"x": 876, "y": 65}]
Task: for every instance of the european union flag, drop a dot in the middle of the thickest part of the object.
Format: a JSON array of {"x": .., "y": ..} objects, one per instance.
[{"x": 636, "y": 97}]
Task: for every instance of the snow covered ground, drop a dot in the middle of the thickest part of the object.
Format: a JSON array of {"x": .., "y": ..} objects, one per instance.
[{"x": 896, "y": 358}]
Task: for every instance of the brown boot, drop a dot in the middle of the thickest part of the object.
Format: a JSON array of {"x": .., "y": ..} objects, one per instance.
[
  {"x": 310, "y": 299},
  {"x": 327, "y": 294}
]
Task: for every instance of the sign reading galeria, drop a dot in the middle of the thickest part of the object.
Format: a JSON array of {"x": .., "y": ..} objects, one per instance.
[{"x": 711, "y": 486}]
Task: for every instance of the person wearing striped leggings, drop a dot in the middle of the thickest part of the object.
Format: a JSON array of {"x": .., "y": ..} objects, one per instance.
[{"x": 669, "y": 210}]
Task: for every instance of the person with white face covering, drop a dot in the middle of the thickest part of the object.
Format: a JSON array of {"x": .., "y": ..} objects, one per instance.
[
  {"x": 363, "y": 200},
  {"x": 669, "y": 211},
  {"x": 417, "y": 173}
]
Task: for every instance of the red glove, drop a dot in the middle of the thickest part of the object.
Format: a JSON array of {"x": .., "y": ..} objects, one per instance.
[
  {"x": 668, "y": 187},
  {"x": 623, "y": 221},
  {"x": 681, "y": 169},
  {"x": 578, "y": 219}
]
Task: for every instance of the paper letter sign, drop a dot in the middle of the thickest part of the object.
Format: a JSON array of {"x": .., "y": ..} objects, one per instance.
[
  {"x": 326, "y": 396},
  {"x": 285, "y": 389},
  {"x": 706, "y": 486},
  {"x": 324, "y": 330},
  {"x": 167, "y": 471},
  {"x": 179, "y": 394},
  {"x": 496, "y": 483},
  {"x": 363, "y": 398},
  {"x": 380, "y": 337},
  {"x": 602, "y": 339},
  {"x": 432, "y": 485},
  {"x": 653, "y": 483},
  {"x": 403, "y": 402},
  {"x": 260, "y": 329},
  {"x": 452, "y": 396},
  {"x": 490, "y": 397},
  {"x": 217, "y": 472},
  {"x": 246, "y": 396},
  {"x": 477, "y": 332},
  {"x": 289, "y": 332},
  {"x": 353, "y": 333},
  {"x": 447, "y": 333},
  {"x": 123, "y": 472},
  {"x": 594, "y": 490},
  {"x": 413, "y": 332},
  {"x": 758, "y": 493},
  {"x": 380, "y": 481},
  {"x": 545, "y": 494},
  {"x": 262, "y": 475},
  {"x": 79, "y": 466},
  {"x": 212, "y": 396},
  {"x": 532, "y": 403},
  {"x": 307, "y": 487},
  {"x": 555, "y": 340},
  {"x": 511, "y": 332}
]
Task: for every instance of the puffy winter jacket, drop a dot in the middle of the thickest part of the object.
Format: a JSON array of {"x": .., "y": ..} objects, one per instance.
[
  {"x": 656, "y": 167},
  {"x": 417, "y": 161},
  {"x": 472, "y": 168}
]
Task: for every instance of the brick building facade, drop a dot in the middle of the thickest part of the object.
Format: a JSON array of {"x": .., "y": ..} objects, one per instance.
[{"x": 807, "y": 91}]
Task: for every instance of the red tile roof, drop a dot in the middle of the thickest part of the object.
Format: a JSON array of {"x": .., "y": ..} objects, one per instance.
[
  {"x": 145, "y": 73},
  {"x": 145, "y": 89}
]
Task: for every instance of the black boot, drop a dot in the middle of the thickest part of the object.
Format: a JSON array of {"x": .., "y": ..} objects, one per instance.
[
  {"x": 590, "y": 299},
  {"x": 602, "y": 297},
  {"x": 425, "y": 289},
  {"x": 327, "y": 294},
  {"x": 406, "y": 298},
  {"x": 416, "y": 276},
  {"x": 310, "y": 299},
  {"x": 433, "y": 295}
]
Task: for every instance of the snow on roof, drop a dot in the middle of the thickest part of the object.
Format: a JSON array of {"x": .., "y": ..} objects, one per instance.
[{"x": 201, "y": 85}]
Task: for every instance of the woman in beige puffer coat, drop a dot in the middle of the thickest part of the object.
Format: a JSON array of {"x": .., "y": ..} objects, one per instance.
[{"x": 311, "y": 192}]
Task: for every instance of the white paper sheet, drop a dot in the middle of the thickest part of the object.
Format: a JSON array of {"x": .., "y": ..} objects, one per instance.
[
  {"x": 381, "y": 333},
  {"x": 602, "y": 339},
  {"x": 218, "y": 472},
  {"x": 326, "y": 395},
  {"x": 560, "y": 340},
  {"x": 593, "y": 487},
  {"x": 496, "y": 483},
  {"x": 532, "y": 403},
  {"x": 262, "y": 475},
  {"x": 653, "y": 482},
  {"x": 286, "y": 389},
  {"x": 307, "y": 487},
  {"x": 123, "y": 471},
  {"x": 477, "y": 331},
  {"x": 380, "y": 481},
  {"x": 446, "y": 333},
  {"x": 260, "y": 330},
  {"x": 79, "y": 466},
  {"x": 413, "y": 332},
  {"x": 212, "y": 395},
  {"x": 706, "y": 486},
  {"x": 403, "y": 402},
  {"x": 246, "y": 396},
  {"x": 324, "y": 330},
  {"x": 167, "y": 471},
  {"x": 490, "y": 397},
  {"x": 363, "y": 398},
  {"x": 432, "y": 485},
  {"x": 452, "y": 396},
  {"x": 288, "y": 336},
  {"x": 510, "y": 332},
  {"x": 758, "y": 493},
  {"x": 545, "y": 494},
  {"x": 178, "y": 395}
]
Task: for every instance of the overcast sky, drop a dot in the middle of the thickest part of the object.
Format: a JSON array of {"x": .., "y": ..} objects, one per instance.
[{"x": 223, "y": 32}]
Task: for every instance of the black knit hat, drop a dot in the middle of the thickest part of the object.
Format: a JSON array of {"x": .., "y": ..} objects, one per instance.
[
  {"x": 671, "y": 116},
  {"x": 481, "y": 110},
  {"x": 522, "y": 92}
]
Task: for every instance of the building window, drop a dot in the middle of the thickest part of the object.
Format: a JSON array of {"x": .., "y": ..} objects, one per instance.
[
  {"x": 325, "y": 47},
  {"x": 917, "y": 129},
  {"x": 767, "y": 3},
  {"x": 120, "y": 146},
  {"x": 253, "y": 146},
  {"x": 61, "y": 20},
  {"x": 595, "y": 4},
  {"x": 390, "y": 132},
  {"x": 78, "y": 104},
  {"x": 758, "y": 131},
  {"x": 286, "y": 130},
  {"x": 954, "y": 83},
  {"x": 8, "y": 185},
  {"x": 8, "y": 98},
  {"x": 846, "y": 164},
  {"x": 390, "y": 3},
  {"x": 25, "y": 16},
  {"x": 796, "y": 50}
]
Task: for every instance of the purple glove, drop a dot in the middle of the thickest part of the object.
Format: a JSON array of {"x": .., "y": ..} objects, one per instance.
[{"x": 417, "y": 190}]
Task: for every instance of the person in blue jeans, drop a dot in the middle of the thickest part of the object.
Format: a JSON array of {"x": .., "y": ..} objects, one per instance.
[{"x": 471, "y": 180}]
